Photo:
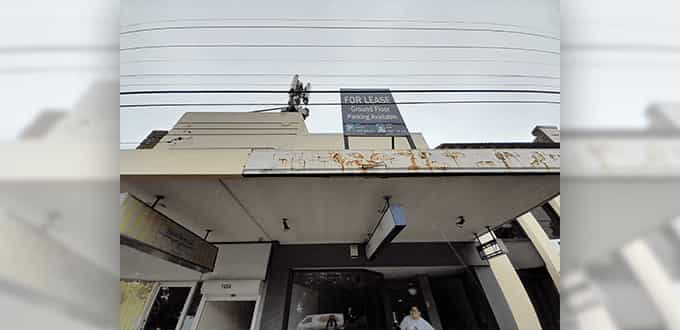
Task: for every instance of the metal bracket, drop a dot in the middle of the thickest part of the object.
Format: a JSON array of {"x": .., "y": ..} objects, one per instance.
[
  {"x": 155, "y": 202},
  {"x": 381, "y": 212},
  {"x": 489, "y": 248}
]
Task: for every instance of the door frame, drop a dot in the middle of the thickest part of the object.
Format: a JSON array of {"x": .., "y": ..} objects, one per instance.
[{"x": 208, "y": 298}]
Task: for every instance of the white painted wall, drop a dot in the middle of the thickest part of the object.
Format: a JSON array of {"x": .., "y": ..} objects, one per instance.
[
  {"x": 281, "y": 130},
  {"x": 241, "y": 261},
  {"x": 234, "y": 261},
  {"x": 227, "y": 315}
]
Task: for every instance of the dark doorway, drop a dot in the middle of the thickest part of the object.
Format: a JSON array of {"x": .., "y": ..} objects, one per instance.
[
  {"x": 328, "y": 299},
  {"x": 461, "y": 303},
  {"x": 544, "y": 296},
  {"x": 402, "y": 295}
]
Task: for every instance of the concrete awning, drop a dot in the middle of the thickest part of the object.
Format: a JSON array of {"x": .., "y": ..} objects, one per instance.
[{"x": 335, "y": 196}]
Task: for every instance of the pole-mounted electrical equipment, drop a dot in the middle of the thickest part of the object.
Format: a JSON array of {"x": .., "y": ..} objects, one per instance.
[{"x": 298, "y": 97}]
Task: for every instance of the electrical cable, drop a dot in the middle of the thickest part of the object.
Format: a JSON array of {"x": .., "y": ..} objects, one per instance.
[
  {"x": 473, "y": 277},
  {"x": 268, "y": 109},
  {"x": 335, "y": 19},
  {"x": 415, "y": 46},
  {"x": 272, "y": 84},
  {"x": 337, "y": 60},
  {"x": 244, "y": 208},
  {"x": 357, "y": 75},
  {"x": 151, "y": 105},
  {"x": 57, "y": 49},
  {"x": 362, "y": 91},
  {"x": 366, "y": 28}
]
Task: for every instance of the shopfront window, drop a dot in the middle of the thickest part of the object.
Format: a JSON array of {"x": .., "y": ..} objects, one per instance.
[
  {"x": 134, "y": 296},
  {"x": 167, "y": 308},
  {"x": 336, "y": 300}
]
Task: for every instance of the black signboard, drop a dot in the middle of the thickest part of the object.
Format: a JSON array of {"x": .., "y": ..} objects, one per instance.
[{"x": 371, "y": 112}]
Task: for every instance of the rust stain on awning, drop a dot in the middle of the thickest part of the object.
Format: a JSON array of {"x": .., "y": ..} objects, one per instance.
[{"x": 436, "y": 160}]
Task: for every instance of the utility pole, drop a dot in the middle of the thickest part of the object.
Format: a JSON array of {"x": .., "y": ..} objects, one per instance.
[{"x": 298, "y": 97}]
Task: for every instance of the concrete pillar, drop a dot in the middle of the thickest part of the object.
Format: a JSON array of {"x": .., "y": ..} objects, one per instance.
[
  {"x": 512, "y": 288},
  {"x": 545, "y": 248},
  {"x": 494, "y": 295},
  {"x": 390, "y": 318},
  {"x": 653, "y": 277},
  {"x": 430, "y": 304}
]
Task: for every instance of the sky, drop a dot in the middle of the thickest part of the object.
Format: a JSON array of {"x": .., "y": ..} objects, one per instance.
[
  {"x": 605, "y": 87},
  {"x": 531, "y": 25}
]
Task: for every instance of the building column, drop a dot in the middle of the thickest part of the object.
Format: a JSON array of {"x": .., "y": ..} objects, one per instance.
[
  {"x": 511, "y": 286},
  {"x": 494, "y": 295},
  {"x": 652, "y": 276},
  {"x": 430, "y": 304},
  {"x": 543, "y": 245}
]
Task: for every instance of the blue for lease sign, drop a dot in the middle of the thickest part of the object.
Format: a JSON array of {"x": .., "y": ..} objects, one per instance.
[{"x": 371, "y": 112}]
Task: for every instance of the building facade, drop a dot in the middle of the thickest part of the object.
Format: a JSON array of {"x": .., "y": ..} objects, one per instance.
[{"x": 309, "y": 234}]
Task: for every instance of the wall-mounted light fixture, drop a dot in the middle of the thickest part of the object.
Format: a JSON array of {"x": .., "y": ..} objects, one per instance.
[
  {"x": 412, "y": 289},
  {"x": 460, "y": 221},
  {"x": 354, "y": 251},
  {"x": 284, "y": 222}
]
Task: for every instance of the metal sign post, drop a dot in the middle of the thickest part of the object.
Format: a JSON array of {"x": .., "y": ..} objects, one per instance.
[{"x": 371, "y": 112}]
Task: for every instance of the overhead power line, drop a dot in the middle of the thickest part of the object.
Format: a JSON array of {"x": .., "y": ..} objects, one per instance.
[
  {"x": 152, "y": 105},
  {"x": 334, "y": 75},
  {"x": 318, "y": 27},
  {"x": 374, "y": 85},
  {"x": 338, "y": 60},
  {"x": 36, "y": 49},
  {"x": 53, "y": 69},
  {"x": 414, "y": 46},
  {"x": 363, "y": 20},
  {"x": 231, "y": 91}
]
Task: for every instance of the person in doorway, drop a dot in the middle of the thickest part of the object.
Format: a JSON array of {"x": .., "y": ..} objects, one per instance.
[
  {"x": 332, "y": 323},
  {"x": 351, "y": 315},
  {"x": 414, "y": 321}
]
